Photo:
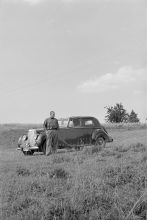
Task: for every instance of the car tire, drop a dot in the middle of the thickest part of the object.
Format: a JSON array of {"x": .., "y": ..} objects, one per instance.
[
  {"x": 100, "y": 142},
  {"x": 77, "y": 148},
  {"x": 44, "y": 147},
  {"x": 28, "y": 153},
  {"x": 32, "y": 152}
]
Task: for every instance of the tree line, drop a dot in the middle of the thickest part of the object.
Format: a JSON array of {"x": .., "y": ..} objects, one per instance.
[{"x": 118, "y": 114}]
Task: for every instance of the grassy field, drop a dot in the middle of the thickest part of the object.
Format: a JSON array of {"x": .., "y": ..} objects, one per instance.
[{"x": 109, "y": 184}]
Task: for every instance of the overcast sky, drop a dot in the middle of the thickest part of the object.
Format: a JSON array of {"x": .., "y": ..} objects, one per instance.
[{"x": 72, "y": 56}]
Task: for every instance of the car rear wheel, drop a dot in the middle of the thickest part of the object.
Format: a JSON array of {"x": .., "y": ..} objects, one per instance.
[{"x": 100, "y": 142}]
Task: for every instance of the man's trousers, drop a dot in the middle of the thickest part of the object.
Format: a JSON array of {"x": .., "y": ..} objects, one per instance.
[{"x": 51, "y": 141}]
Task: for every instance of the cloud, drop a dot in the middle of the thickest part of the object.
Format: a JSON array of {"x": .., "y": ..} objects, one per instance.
[
  {"x": 125, "y": 78},
  {"x": 31, "y": 2},
  {"x": 67, "y": 1},
  {"x": 35, "y": 2}
]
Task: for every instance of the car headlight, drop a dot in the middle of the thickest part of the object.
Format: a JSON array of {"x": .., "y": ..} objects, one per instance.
[
  {"x": 24, "y": 138},
  {"x": 35, "y": 137}
]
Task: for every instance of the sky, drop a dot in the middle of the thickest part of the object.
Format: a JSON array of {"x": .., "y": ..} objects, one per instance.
[{"x": 72, "y": 56}]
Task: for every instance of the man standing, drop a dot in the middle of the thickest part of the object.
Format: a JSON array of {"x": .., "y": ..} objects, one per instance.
[{"x": 51, "y": 126}]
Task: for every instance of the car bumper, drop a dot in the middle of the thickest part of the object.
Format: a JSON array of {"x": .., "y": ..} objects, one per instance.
[
  {"x": 110, "y": 139},
  {"x": 27, "y": 148}
]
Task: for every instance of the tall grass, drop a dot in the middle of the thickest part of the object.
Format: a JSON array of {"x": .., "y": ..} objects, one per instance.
[
  {"x": 102, "y": 184},
  {"x": 95, "y": 185}
]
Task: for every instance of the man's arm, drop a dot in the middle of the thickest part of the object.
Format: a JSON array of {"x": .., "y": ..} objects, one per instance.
[
  {"x": 57, "y": 125},
  {"x": 44, "y": 124}
]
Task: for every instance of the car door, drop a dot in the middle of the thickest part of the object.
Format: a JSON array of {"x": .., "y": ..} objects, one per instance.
[
  {"x": 88, "y": 126},
  {"x": 73, "y": 133}
]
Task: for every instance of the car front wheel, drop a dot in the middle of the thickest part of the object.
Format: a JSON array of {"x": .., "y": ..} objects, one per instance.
[{"x": 100, "y": 142}]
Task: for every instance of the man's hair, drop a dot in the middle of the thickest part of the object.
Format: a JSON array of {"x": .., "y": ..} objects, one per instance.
[{"x": 52, "y": 112}]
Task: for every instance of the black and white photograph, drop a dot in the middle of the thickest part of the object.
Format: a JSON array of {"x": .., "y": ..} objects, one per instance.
[{"x": 73, "y": 110}]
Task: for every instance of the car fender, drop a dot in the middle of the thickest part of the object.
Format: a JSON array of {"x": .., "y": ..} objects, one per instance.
[
  {"x": 40, "y": 139},
  {"x": 22, "y": 139},
  {"x": 99, "y": 132},
  {"x": 23, "y": 143}
]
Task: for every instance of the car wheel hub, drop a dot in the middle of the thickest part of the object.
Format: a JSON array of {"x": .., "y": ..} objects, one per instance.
[{"x": 100, "y": 141}]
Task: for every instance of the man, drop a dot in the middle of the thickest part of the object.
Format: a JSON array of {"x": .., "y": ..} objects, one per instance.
[{"x": 51, "y": 126}]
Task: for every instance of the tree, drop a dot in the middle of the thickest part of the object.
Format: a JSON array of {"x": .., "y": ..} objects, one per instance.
[
  {"x": 132, "y": 117},
  {"x": 116, "y": 114}
]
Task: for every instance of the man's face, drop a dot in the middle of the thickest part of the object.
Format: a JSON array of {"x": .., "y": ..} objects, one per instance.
[{"x": 52, "y": 114}]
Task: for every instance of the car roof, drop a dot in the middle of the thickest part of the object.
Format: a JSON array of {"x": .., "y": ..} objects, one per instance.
[
  {"x": 81, "y": 117},
  {"x": 75, "y": 117}
]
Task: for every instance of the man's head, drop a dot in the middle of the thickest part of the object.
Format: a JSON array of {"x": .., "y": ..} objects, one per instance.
[{"x": 52, "y": 114}]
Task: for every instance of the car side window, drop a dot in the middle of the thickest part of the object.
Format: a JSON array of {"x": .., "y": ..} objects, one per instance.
[
  {"x": 88, "y": 123},
  {"x": 71, "y": 124},
  {"x": 75, "y": 122}
]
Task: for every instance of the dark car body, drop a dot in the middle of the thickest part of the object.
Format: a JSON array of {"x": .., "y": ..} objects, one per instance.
[{"x": 74, "y": 132}]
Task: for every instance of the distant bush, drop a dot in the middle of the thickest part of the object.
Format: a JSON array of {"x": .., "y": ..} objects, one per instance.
[
  {"x": 144, "y": 158},
  {"x": 22, "y": 171},
  {"x": 37, "y": 187},
  {"x": 59, "y": 173},
  {"x": 138, "y": 147},
  {"x": 122, "y": 148},
  {"x": 91, "y": 149},
  {"x": 108, "y": 153},
  {"x": 61, "y": 159}
]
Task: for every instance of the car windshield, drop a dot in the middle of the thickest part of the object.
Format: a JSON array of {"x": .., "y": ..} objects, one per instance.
[{"x": 63, "y": 122}]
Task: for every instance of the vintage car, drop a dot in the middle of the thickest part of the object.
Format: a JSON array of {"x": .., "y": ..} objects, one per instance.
[{"x": 74, "y": 132}]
